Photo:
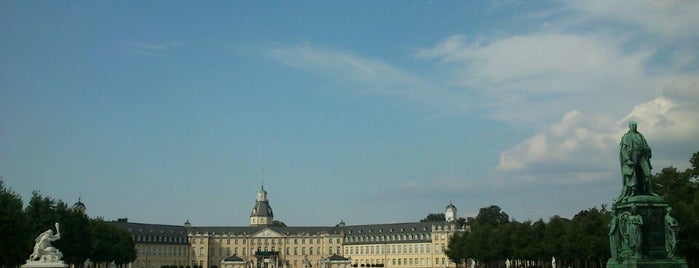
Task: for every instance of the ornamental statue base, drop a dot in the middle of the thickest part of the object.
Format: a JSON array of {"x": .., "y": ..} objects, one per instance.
[
  {"x": 640, "y": 235},
  {"x": 669, "y": 263},
  {"x": 44, "y": 264}
]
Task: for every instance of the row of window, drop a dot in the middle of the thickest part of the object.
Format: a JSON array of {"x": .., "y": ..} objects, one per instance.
[
  {"x": 160, "y": 239},
  {"x": 390, "y": 230},
  {"x": 267, "y": 241},
  {"x": 161, "y": 250},
  {"x": 351, "y": 250},
  {"x": 244, "y": 251},
  {"x": 394, "y": 249},
  {"x": 382, "y": 238},
  {"x": 404, "y": 261}
]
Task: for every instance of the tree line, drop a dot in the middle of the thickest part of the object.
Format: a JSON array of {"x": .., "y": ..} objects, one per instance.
[
  {"x": 82, "y": 238},
  {"x": 578, "y": 242}
]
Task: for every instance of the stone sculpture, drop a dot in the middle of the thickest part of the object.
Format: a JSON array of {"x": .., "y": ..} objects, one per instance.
[
  {"x": 43, "y": 251},
  {"x": 634, "y": 233},
  {"x": 671, "y": 227},
  {"x": 614, "y": 234}
]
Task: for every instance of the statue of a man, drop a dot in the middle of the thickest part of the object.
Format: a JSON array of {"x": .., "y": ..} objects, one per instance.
[
  {"x": 634, "y": 158},
  {"x": 614, "y": 235},
  {"x": 671, "y": 227},
  {"x": 43, "y": 251}
]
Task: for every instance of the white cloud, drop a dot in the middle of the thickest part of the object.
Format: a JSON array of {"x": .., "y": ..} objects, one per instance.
[
  {"x": 577, "y": 88},
  {"x": 368, "y": 76},
  {"x": 578, "y": 144},
  {"x": 533, "y": 78},
  {"x": 583, "y": 148},
  {"x": 673, "y": 19}
]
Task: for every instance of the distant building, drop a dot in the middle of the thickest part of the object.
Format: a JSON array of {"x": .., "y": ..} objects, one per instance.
[
  {"x": 414, "y": 244},
  {"x": 79, "y": 206}
]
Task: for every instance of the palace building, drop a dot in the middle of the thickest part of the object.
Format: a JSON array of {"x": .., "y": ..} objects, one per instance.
[{"x": 413, "y": 244}]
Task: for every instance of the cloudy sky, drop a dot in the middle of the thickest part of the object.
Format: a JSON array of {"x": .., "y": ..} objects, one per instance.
[{"x": 367, "y": 112}]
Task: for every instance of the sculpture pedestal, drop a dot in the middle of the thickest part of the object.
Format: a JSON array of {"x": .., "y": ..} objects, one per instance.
[
  {"x": 44, "y": 264},
  {"x": 667, "y": 263},
  {"x": 652, "y": 251}
]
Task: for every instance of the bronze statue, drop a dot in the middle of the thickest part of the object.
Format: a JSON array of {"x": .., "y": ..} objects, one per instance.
[
  {"x": 634, "y": 158},
  {"x": 671, "y": 227},
  {"x": 634, "y": 232},
  {"x": 614, "y": 234}
]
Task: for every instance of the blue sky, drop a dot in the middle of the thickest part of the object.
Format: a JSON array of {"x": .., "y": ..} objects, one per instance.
[{"x": 367, "y": 112}]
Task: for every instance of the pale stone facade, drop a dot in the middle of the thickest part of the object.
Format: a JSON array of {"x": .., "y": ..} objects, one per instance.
[{"x": 416, "y": 244}]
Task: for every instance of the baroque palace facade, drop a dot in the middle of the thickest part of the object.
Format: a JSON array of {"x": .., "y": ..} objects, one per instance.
[{"x": 414, "y": 244}]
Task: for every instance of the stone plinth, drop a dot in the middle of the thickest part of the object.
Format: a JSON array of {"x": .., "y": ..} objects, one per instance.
[
  {"x": 44, "y": 264},
  {"x": 665, "y": 263}
]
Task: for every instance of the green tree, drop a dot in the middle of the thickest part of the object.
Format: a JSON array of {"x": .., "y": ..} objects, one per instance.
[
  {"x": 680, "y": 189},
  {"x": 110, "y": 243},
  {"x": 537, "y": 236},
  {"x": 75, "y": 239},
  {"x": 456, "y": 250},
  {"x": 523, "y": 240},
  {"x": 434, "y": 217},
  {"x": 278, "y": 223},
  {"x": 492, "y": 216},
  {"x": 589, "y": 236},
  {"x": 125, "y": 247},
  {"x": 556, "y": 240},
  {"x": 14, "y": 244}
]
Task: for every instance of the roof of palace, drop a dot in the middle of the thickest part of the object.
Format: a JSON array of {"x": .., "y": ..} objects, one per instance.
[
  {"x": 262, "y": 209},
  {"x": 149, "y": 228},
  {"x": 368, "y": 231}
]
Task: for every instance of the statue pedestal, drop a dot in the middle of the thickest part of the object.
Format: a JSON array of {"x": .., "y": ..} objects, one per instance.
[
  {"x": 652, "y": 251},
  {"x": 44, "y": 264},
  {"x": 666, "y": 263}
]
